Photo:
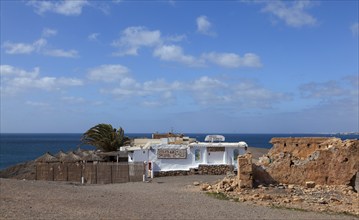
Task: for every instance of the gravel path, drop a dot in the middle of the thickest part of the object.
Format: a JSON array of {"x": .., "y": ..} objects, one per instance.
[{"x": 163, "y": 198}]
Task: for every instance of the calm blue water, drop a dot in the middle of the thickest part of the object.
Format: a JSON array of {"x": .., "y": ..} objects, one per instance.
[{"x": 18, "y": 148}]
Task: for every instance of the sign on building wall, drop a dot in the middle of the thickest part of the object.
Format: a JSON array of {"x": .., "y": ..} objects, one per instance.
[
  {"x": 215, "y": 149},
  {"x": 213, "y": 138},
  {"x": 171, "y": 153}
]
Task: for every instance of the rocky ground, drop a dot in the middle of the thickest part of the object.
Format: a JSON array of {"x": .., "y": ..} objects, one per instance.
[{"x": 329, "y": 199}]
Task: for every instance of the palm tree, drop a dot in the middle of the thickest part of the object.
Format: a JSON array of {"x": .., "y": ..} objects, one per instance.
[{"x": 104, "y": 137}]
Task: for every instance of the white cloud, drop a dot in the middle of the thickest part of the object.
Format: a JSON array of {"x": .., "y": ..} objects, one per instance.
[
  {"x": 325, "y": 90},
  {"x": 204, "y": 26},
  {"x": 93, "y": 36},
  {"x": 333, "y": 99},
  {"x": 39, "y": 46},
  {"x": 23, "y": 48},
  {"x": 353, "y": 80},
  {"x": 64, "y": 81},
  {"x": 133, "y": 38},
  {"x": 44, "y": 83},
  {"x": 244, "y": 94},
  {"x": 232, "y": 60},
  {"x": 153, "y": 92},
  {"x": 163, "y": 99},
  {"x": 206, "y": 83},
  {"x": 228, "y": 60},
  {"x": 174, "y": 53},
  {"x": 66, "y": 7},
  {"x": 175, "y": 38},
  {"x": 248, "y": 93},
  {"x": 61, "y": 53},
  {"x": 119, "y": 92},
  {"x": 151, "y": 104},
  {"x": 18, "y": 48},
  {"x": 15, "y": 80},
  {"x": 11, "y": 71},
  {"x": 337, "y": 98},
  {"x": 129, "y": 87},
  {"x": 160, "y": 86},
  {"x": 109, "y": 73},
  {"x": 37, "y": 104},
  {"x": 292, "y": 13},
  {"x": 47, "y": 32},
  {"x": 355, "y": 29},
  {"x": 102, "y": 6},
  {"x": 73, "y": 100},
  {"x": 128, "y": 82},
  {"x": 206, "y": 91}
]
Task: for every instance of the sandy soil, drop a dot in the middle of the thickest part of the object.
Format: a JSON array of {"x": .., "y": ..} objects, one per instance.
[{"x": 163, "y": 198}]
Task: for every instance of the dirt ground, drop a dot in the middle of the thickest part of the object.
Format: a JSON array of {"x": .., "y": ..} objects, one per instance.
[{"x": 162, "y": 198}]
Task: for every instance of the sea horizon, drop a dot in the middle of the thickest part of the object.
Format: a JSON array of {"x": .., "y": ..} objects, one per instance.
[{"x": 311, "y": 133}]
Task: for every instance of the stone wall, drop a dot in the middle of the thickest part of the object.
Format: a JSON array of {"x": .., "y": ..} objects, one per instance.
[
  {"x": 172, "y": 173},
  {"x": 203, "y": 169},
  {"x": 329, "y": 161},
  {"x": 245, "y": 171},
  {"x": 298, "y": 147},
  {"x": 215, "y": 169}
]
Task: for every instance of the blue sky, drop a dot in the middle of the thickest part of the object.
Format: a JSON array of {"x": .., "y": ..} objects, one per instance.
[{"x": 190, "y": 66}]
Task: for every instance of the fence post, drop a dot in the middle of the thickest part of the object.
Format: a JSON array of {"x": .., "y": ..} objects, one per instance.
[
  {"x": 96, "y": 172},
  {"x": 82, "y": 174},
  {"x": 53, "y": 172},
  {"x": 128, "y": 173},
  {"x": 111, "y": 173},
  {"x": 96, "y": 165}
]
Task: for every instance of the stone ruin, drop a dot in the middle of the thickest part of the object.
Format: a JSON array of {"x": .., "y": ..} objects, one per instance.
[
  {"x": 308, "y": 161},
  {"x": 203, "y": 169},
  {"x": 245, "y": 171},
  {"x": 316, "y": 174},
  {"x": 303, "y": 161}
]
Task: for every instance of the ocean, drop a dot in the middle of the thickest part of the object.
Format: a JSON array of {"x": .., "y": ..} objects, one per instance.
[{"x": 19, "y": 148}]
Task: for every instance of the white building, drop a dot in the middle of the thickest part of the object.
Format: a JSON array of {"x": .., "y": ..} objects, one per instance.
[{"x": 163, "y": 156}]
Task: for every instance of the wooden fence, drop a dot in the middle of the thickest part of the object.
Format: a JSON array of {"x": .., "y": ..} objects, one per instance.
[{"x": 101, "y": 173}]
